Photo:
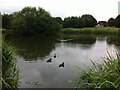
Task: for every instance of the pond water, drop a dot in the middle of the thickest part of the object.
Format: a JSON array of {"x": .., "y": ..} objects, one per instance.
[{"x": 33, "y": 55}]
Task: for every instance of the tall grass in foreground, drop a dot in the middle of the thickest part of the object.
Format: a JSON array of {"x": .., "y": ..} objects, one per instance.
[
  {"x": 10, "y": 73},
  {"x": 105, "y": 75}
]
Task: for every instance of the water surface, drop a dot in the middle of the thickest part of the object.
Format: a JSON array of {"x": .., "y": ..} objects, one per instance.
[{"x": 33, "y": 53}]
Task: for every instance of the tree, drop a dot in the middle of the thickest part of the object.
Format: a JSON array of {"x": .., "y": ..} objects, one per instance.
[
  {"x": 73, "y": 22},
  {"x": 66, "y": 22},
  {"x": 58, "y": 19},
  {"x": 81, "y": 23},
  {"x": 35, "y": 21},
  {"x": 111, "y": 22},
  {"x": 77, "y": 22},
  {"x": 117, "y": 21},
  {"x": 7, "y": 21},
  {"x": 89, "y": 20}
]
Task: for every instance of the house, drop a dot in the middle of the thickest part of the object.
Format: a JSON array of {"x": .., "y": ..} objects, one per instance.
[{"x": 102, "y": 24}]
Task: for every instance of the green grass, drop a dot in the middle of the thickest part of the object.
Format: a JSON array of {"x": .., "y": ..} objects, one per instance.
[
  {"x": 105, "y": 75},
  {"x": 10, "y": 73},
  {"x": 94, "y": 30}
]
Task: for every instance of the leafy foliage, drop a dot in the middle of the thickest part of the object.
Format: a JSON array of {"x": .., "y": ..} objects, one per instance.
[
  {"x": 35, "y": 21},
  {"x": 117, "y": 21},
  {"x": 73, "y": 22},
  {"x": 79, "y": 22},
  {"x": 59, "y": 20},
  {"x": 89, "y": 20},
  {"x": 7, "y": 21},
  {"x": 111, "y": 22}
]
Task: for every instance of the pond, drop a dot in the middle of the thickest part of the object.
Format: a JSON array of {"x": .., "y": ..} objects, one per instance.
[{"x": 40, "y": 59}]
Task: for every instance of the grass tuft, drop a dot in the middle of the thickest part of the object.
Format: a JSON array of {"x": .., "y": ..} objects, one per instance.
[{"x": 105, "y": 75}]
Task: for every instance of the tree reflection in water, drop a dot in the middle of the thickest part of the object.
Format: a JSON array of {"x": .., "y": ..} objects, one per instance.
[
  {"x": 113, "y": 40},
  {"x": 85, "y": 42},
  {"x": 31, "y": 48}
]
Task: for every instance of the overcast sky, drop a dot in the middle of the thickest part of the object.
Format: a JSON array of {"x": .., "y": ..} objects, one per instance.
[{"x": 100, "y": 9}]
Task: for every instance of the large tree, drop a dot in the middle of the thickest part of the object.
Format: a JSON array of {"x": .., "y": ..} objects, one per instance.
[
  {"x": 74, "y": 22},
  {"x": 58, "y": 19},
  {"x": 35, "y": 21},
  {"x": 89, "y": 20},
  {"x": 117, "y": 21},
  {"x": 67, "y": 22},
  {"x": 7, "y": 21},
  {"x": 111, "y": 22}
]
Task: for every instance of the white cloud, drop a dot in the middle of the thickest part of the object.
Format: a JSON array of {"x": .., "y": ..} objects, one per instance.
[{"x": 100, "y": 9}]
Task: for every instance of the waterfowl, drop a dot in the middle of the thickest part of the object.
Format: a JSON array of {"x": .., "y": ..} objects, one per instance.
[
  {"x": 49, "y": 60},
  {"x": 62, "y": 64},
  {"x": 54, "y": 55}
]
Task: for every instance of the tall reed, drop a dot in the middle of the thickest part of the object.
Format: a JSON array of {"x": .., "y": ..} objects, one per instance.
[
  {"x": 10, "y": 72},
  {"x": 105, "y": 75},
  {"x": 94, "y": 30}
]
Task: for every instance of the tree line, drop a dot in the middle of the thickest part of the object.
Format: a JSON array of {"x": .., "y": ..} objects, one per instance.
[
  {"x": 114, "y": 22},
  {"x": 32, "y": 20},
  {"x": 86, "y": 20}
]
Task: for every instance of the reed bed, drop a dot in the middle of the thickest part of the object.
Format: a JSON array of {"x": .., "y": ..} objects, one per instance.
[
  {"x": 94, "y": 30},
  {"x": 105, "y": 75},
  {"x": 10, "y": 72}
]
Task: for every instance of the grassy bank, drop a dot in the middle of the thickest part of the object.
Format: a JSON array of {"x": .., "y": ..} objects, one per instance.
[
  {"x": 105, "y": 75},
  {"x": 90, "y": 31},
  {"x": 94, "y": 30},
  {"x": 10, "y": 73}
]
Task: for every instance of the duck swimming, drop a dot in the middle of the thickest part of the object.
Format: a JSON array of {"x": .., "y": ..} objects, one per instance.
[
  {"x": 54, "y": 55},
  {"x": 62, "y": 64},
  {"x": 49, "y": 60}
]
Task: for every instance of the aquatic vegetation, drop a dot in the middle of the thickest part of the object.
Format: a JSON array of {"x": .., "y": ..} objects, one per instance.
[
  {"x": 95, "y": 30},
  {"x": 105, "y": 75},
  {"x": 10, "y": 73}
]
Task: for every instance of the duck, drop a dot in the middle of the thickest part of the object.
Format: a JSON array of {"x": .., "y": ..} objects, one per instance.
[
  {"x": 54, "y": 55},
  {"x": 49, "y": 60},
  {"x": 62, "y": 64}
]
